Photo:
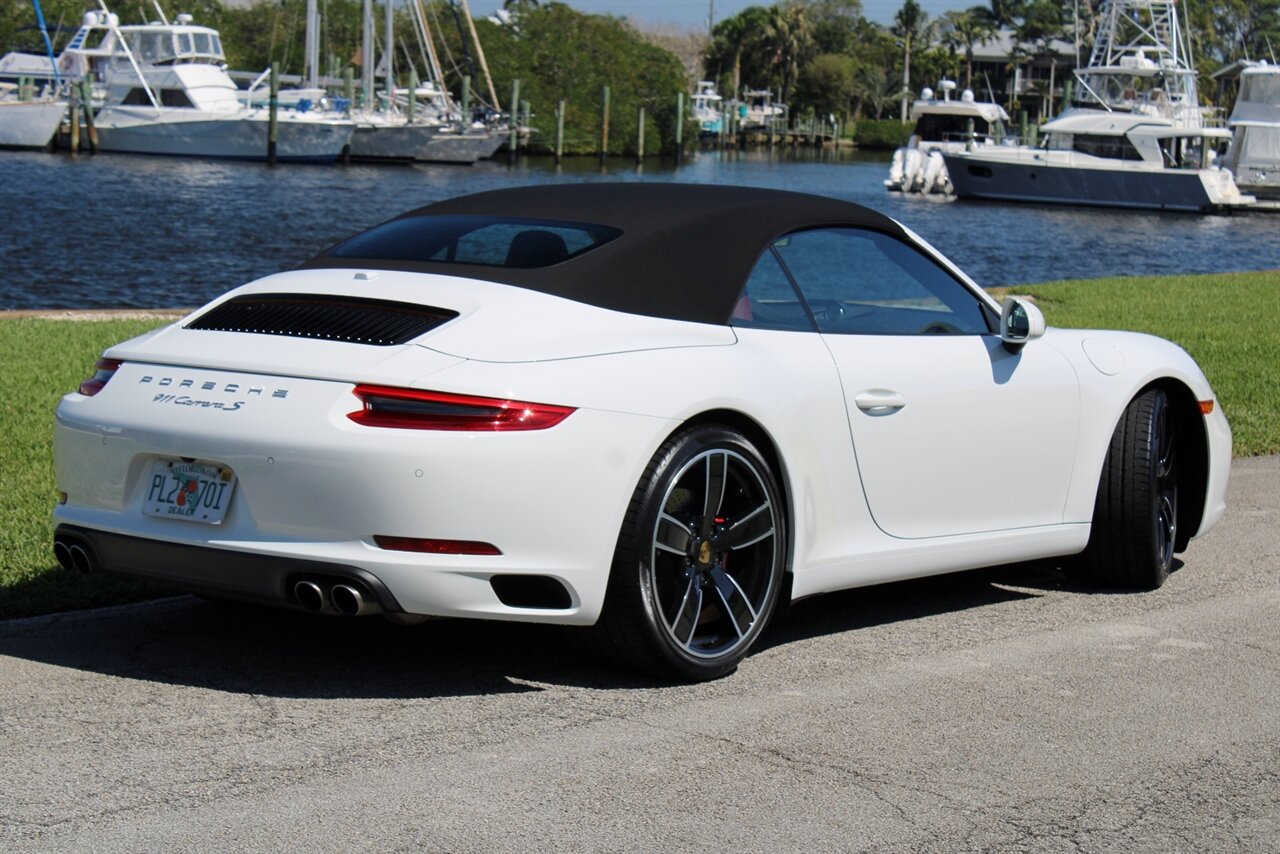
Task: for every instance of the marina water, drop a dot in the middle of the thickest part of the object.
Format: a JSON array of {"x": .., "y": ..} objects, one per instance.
[{"x": 118, "y": 231}]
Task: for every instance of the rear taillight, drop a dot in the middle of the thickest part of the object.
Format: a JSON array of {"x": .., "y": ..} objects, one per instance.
[
  {"x": 105, "y": 371},
  {"x": 385, "y": 406},
  {"x": 435, "y": 547}
]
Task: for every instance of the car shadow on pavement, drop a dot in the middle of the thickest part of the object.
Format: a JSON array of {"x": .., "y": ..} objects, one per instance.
[{"x": 242, "y": 649}]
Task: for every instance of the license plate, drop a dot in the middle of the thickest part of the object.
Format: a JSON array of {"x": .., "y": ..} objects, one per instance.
[{"x": 195, "y": 491}]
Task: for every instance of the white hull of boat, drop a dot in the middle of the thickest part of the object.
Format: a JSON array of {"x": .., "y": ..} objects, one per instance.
[
  {"x": 235, "y": 136},
  {"x": 24, "y": 124},
  {"x": 1032, "y": 179},
  {"x": 464, "y": 147},
  {"x": 391, "y": 141}
]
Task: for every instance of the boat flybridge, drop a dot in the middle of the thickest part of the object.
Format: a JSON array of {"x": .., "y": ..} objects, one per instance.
[
  {"x": 943, "y": 125},
  {"x": 1136, "y": 138},
  {"x": 1254, "y": 156},
  {"x": 165, "y": 90}
]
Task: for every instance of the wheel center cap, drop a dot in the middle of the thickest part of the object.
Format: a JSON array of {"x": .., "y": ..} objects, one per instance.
[{"x": 704, "y": 553}]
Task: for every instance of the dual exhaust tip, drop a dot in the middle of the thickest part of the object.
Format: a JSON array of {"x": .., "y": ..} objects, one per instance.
[
  {"x": 73, "y": 554},
  {"x": 345, "y": 599}
]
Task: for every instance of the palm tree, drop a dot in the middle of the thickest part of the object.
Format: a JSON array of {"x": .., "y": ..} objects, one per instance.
[
  {"x": 912, "y": 26},
  {"x": 789, "y": 35},
  {"x": 730, "y": 40},
  {"x": 964, "y": 31}
]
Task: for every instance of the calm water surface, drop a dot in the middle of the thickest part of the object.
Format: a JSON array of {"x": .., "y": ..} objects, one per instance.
[{"x": 123, "y": 231}]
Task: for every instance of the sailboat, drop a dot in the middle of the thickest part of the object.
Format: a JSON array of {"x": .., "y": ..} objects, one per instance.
[
  {"x": 418, "y": 123},
  {"x": 29, "y": 119},
  {"x": 1136, "y": 137}
]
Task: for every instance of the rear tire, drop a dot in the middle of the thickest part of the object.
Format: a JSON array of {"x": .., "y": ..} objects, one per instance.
[
  {"x": 1135, "y": 518},
  {"x": 700, "y": 559}
]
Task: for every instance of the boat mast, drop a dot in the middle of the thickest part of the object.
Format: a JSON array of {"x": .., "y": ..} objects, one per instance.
[
  {"x": 389, "y": 54},
  {"x": 428, "y": 42},
  {"x": 313, "y": 46},
  {"x": 48, "y": 45},
  {"x": 484, "y": 66},
  {"x": 366, "y": 56}
]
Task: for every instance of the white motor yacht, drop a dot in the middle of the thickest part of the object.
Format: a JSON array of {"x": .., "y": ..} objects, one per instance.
[
  {"x": 166, "y": 91},
  {"x": 1137, "y": 138},
  {"x": 1092, "y": 157},
  {"x": 1254, "y": 156},
  {"x": 943, "y": 125},
  {"x": 28, "y": 122}
]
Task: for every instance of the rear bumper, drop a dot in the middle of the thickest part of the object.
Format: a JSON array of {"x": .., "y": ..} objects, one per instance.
[{"x": 263, "y": 579}]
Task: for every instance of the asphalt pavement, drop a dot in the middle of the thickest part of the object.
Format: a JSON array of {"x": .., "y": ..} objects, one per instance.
[{"x": 1002, "y": 709}]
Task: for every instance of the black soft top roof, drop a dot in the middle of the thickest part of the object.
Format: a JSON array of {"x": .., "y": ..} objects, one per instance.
[{"x": 684, "y": 252}]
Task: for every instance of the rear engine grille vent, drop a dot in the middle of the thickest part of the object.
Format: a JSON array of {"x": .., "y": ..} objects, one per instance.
[{"x": 329, "y": 318}]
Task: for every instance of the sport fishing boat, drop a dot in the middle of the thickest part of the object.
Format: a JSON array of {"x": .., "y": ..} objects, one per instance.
[
  {"x": 1254, "y": 156},
  {"x": 1136, "y": 138},
  {"x": 943, "y": 125},
  {"x": 165, "y": 90}
]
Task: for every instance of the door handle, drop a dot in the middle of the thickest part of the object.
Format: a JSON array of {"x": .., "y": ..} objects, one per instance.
[{"x": 878, "y": 401}]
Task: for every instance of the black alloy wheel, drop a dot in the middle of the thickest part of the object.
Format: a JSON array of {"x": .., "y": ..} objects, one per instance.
[{"x": 700, "y": 560}]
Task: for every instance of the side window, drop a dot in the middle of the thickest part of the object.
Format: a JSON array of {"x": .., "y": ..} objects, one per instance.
[
  {"x": 769, "y": 301},
  {"x": 865, "y": 282}
]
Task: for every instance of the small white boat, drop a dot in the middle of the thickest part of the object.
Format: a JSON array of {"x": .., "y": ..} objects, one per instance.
[
  {"x": 29, "y": 123},
  {"x": 706, "y": 109},
  {"x": 757, "y": 109},
  {"x": 1254, "y": 156},
  {"x": 943, "y": 125}
]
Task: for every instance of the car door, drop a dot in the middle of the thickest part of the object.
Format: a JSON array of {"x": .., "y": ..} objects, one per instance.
[{"x": 953, "y": 433}]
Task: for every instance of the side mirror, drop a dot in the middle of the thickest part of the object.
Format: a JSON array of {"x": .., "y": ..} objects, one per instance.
[{"x": 1020, "y": 322}]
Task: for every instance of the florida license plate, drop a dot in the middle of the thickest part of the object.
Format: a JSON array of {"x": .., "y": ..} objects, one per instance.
[{"x": 195, "y": 491}]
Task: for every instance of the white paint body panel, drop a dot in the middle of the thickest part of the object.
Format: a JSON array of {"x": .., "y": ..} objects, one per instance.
[{"x": 996, "y": 460}]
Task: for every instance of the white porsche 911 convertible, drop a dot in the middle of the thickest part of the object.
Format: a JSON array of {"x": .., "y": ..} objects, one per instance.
[{"x": 655, "y": 409}]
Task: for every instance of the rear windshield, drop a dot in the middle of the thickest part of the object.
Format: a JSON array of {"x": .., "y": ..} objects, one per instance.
[{"x": 489, "y": 241}]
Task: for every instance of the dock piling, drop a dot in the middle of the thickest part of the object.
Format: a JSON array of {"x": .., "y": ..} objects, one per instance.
[
  {"x": 560, "y": 131},
  {"x": 273, "y": 121},
  {"x": 604, "y": 124}
]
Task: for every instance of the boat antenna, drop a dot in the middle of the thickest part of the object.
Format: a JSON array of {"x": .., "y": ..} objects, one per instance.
[
  {"x": 990, "y": 94},
  {"x": 159, "y": 11},
  {"x": 48, "y": 45},
  {"x": 1270, "y": 49}
]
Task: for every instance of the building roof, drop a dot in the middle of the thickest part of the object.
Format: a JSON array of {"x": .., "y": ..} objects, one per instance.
[
  {"x": 1003, "y": 47},
  {"x": 684, "y": 252}
]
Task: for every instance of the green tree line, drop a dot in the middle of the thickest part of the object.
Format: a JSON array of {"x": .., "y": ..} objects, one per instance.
[{"x": 823, "y": 57}]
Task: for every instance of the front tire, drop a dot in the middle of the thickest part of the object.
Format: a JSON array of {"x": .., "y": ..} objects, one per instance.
[
  {"x": 700, "y": 559},
  {"x": 1135, "y": 519}
]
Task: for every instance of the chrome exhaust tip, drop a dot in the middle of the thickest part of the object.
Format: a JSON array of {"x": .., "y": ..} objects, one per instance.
[
  {"x": 80, "y": 558},
  {"x": 309, "y": 596},
  {"x": 63, "y": 554},
  {"x": 350, "y": 601}
]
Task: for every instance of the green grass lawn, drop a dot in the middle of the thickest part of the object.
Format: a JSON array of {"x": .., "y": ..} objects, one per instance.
[{"x": 1229, "y": 323}]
